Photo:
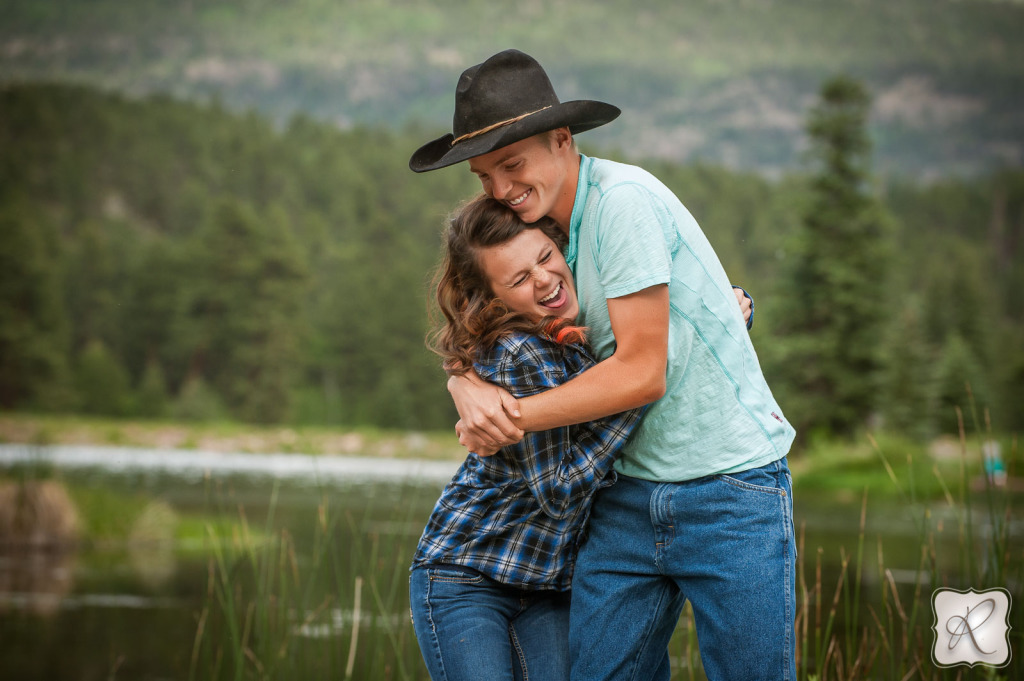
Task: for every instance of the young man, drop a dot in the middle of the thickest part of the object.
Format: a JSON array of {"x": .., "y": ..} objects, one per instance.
[{"x": 702, "y": 508}]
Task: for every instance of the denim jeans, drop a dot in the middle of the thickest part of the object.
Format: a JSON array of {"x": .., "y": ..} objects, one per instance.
[
  {"x": 723, "y": 542},
  {"x": 470, "y": 627}
]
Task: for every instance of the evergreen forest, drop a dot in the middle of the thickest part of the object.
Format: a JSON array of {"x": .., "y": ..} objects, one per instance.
[{"x": 170, "y": 259}]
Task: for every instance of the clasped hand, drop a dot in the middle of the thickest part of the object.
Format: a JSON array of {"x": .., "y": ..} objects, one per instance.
[{"x": 487, "y": 414}]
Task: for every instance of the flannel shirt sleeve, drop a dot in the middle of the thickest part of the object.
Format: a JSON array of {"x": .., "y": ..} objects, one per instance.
[{"x": 562, "y": 466}]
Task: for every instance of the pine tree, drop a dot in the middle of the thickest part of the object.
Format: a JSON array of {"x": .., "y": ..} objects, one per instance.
[
  {"x": 907, "y": 389},
  {"x": 837, "y": 300},
  {"x": 198, "y": 402},
  {"x": 245, "y": 310},
  {"x": 92, "y": 290},
  {"x": 103, "y": 385},
  {"x": 152, "y": 399},
  {"x": 960, "y": 384},
  {"x": 33, "y": 329}
]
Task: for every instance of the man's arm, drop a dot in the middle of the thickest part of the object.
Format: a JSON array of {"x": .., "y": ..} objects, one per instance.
[
  {"x": 633, "y": 376},
  {"x": 491, "y": 418}
]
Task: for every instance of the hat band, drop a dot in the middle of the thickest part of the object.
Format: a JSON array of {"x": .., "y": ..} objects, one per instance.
[{"x": 495, "y": 126}]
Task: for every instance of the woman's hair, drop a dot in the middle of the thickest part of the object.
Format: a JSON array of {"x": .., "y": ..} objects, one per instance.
[{"x": 474, "y": 318}]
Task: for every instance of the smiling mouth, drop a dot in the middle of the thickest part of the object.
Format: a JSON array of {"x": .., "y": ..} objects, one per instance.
[
  {"x": 519, "y": 199},
  {"x": 553, "y": 296}
]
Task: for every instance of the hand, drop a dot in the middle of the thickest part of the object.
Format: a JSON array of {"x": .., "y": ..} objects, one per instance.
[
  {"x": 464, "y": 440},
  {"x": 744, "y": 302},
  {"x": 486, "y": 413}
]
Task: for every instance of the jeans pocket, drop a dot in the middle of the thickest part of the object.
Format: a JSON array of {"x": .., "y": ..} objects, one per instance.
[
  {"x": 764, "y": 479},
  {"x": 454, "y": 574}
]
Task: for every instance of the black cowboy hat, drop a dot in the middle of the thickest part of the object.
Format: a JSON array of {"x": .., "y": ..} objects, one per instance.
[{"x": 502, "y": 101}]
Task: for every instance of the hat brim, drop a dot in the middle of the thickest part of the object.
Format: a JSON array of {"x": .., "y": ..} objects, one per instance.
[{"x": 579, "y": 116}]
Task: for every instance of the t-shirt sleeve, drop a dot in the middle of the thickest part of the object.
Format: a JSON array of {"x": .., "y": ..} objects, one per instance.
[{"x": 636, "y": 238}]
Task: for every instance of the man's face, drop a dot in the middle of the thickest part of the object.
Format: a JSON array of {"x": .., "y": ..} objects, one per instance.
[{"x": 530, "y": 177}]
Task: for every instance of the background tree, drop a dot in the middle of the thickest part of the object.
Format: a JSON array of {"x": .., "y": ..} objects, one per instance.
[
  {"x": 151, "y": 399},
  {"x": 960, "y": 384},
  {"x": 838, "y": 297},
  {"x": 907, "y": 391},
  {"x": 243, "y": 314},
  {"x": 33, "y": 326},
  {"x": 102, "y": 383}
]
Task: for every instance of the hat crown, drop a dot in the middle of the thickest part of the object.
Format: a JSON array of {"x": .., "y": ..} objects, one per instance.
[
  {"x": 501, "y": 101},
  {"x": 509, "y": 84}
]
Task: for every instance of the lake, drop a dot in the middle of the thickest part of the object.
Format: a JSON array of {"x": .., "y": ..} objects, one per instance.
[{"x": 336, "y": 536}]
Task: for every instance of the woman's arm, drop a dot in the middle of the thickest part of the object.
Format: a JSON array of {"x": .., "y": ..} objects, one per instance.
[
  {"x": 565, "y": 466},
  {"x": 562, "y": 466}
]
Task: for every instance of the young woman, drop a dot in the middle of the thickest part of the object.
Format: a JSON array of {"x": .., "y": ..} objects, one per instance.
[{"x": 490, "y": 578}]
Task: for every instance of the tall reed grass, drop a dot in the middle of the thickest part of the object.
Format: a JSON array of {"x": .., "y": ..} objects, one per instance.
[
  {"x": 330, "y": 606},
  {"x": 868, "y": 626},
  {"x": 337, "y": 607}
]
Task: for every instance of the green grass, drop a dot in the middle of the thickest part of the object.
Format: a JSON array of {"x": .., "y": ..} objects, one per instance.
[
  {"x": 857, "y": 621},
  {"x": 275, "y": 610},
  {"x": 332, "y": 603},
  {"x": 889, "y": 470}
]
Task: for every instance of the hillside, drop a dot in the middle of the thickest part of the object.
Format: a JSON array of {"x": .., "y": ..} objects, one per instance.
[
  {"x": 163, "y": 259},
  {"x": 726, "y": 81}
]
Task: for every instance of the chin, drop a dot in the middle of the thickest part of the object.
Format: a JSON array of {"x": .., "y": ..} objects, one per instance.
[
  {"x": 530, "y": 217},
  {"x": 531, "y": 214},
  {"x": 569, "y": 313}
]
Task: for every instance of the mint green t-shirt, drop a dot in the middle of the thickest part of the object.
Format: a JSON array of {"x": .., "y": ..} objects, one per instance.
[{"x": 629, "y": 232}]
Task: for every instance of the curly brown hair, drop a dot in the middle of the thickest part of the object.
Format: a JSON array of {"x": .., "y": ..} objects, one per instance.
[{"x": 474, "y": 319}]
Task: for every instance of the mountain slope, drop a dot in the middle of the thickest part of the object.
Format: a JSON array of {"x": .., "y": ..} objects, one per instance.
[{"x": 727, "y": 81}]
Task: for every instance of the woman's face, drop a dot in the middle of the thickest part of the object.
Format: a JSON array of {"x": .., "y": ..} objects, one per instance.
[{"x": 529, "y": 275}]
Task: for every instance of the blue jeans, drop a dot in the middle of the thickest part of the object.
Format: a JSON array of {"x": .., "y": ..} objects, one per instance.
[
  {"x": 470, "y": 627},
  {"x": 723, "y": 542}
]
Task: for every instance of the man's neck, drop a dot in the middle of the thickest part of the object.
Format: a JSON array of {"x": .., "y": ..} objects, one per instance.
[{"x": 562, "y": 212}]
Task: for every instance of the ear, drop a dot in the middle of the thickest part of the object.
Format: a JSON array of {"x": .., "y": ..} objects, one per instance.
[{"x": 561, "y": 138}]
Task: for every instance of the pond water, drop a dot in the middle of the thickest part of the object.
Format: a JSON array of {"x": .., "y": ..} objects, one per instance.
[{"x": 132, "y": 609}]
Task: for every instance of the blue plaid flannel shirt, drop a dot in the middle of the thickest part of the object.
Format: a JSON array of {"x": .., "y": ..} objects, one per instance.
[{"x": 518, "y": 516}]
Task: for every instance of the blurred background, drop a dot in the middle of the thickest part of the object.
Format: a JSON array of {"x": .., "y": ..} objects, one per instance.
[{"x": 211, "y": 244}]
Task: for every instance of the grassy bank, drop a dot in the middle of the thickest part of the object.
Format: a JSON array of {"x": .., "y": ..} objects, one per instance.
[
  {"x": 41, "y": 429},
  {"x": 41, "y": 510},
  {"x": 886, "y": 464},
  {"x": 891, "y": 466}
]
